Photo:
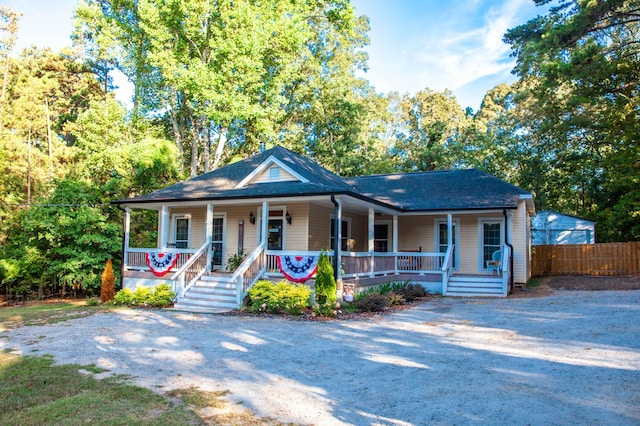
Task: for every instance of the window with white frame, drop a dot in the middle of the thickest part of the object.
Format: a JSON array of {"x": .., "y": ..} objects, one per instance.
[
  {"x": 491, "y": 238},
  {"x": 345, "y": 233},
  {"x": 181, "y": 230}
]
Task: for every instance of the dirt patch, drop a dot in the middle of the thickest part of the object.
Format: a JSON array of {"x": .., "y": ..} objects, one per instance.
[{"x": 543, "y": 286}]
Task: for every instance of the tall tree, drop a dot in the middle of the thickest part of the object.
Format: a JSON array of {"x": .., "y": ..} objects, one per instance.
[
  {"x": 581, "y": 66},
  {"x": 9, "y": 28}
]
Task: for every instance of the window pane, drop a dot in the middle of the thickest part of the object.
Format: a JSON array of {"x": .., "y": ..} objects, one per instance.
[{"x": 491, "y": 240}]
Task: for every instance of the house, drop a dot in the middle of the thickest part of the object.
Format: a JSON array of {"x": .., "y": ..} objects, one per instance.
[
  {"x": 457, "y": 232},
  {"x": 549, "y": 227}
]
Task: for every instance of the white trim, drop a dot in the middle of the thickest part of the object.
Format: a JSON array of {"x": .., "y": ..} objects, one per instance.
[
  {"x": 282, "y": 207},
  {"x": 389, "y": 234},
  {"x": 222, "y": 215},
  {"x": 481, "y": 222},
  {"x": 264, "y": 166},
  {"x": 174, "y": 218},
  {"x": 456, "y": 235}
]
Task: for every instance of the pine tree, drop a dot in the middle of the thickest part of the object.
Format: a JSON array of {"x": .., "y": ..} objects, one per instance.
[{"x": 107, "y": 291}]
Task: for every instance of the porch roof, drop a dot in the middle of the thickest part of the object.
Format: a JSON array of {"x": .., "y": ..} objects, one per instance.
[{"x": 469, "y": 189}]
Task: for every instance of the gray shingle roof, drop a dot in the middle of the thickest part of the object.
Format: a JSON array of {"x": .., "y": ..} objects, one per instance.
[{"x": 421, "y": 191}]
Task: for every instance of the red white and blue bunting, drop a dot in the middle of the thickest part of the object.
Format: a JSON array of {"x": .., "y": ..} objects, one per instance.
[
  {"x": 298, "y": 268},
  {"x": 161, "y": 263}
]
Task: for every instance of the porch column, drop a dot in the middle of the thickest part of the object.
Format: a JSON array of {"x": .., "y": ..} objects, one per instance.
[
  {"x": 164, "y": 227},
  {"x": 264, "y": 226},
  {"x": 337, "y": 242},
  {"x": 125, "y": 239},
  {"x": 208, "y": 232},
  {"x": 449, "y": 231},
  {"x": 395, "y": 243},
  {"x": 371, "y": 245}
]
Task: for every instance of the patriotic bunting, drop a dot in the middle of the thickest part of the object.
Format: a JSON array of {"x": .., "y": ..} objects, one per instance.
[
  {"x": 161, "y": 263},
  {"x": 298, "y": 268}
]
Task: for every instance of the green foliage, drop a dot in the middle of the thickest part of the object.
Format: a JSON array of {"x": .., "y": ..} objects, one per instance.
[
  {"x": 280, "y": 297},
  {"x": 160, "y": 296},
  {"x": 325, "y": 283},
  {"x": 235, "y": 260}
]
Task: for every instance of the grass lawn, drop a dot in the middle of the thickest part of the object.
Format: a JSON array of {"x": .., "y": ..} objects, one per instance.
[{"x": 33, "y": 391}]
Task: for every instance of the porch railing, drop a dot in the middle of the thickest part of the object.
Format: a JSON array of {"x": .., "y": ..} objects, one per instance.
[
  {"x": 191, "y": 270},
  {"x": 447, "y": 269},
  {"x": 249, "y": 271},
  {"x": 135, "y": 258},
  {"x": 359, "y": 265}
]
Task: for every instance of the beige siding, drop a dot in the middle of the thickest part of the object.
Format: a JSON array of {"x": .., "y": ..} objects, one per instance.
[
  {"x": 319, "y": 230},
  {"x": 359, "y": 232},
  {"x": 415, "y": 232},
  {"x": 520, "y": 238},
  {"x": 297, "y": 234},
  {"x": 198, "y": 214},
  {"x": 265, "y": 176}
]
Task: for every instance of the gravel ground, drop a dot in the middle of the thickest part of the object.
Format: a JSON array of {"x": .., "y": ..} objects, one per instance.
[{"x": 566, "y": 358}]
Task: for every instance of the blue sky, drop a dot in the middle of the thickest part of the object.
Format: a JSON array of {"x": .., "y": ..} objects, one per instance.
[{"x": 415, "y": 44}]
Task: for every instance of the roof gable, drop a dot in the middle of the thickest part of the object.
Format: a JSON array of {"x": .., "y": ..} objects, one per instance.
[{"x": 264, "y": 173}]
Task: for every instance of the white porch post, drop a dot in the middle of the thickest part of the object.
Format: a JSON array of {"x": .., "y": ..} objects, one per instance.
[
  {"x": 371, "y": 245},
  {"x": 449, "y": 231},
  {"x": 338, "y": 243},
  {"x": 265, "y": 222},
  {"x": 125, "y": 238},
  {"x": 208, "y": 233},
  {"x": 164, "y": 227},
  {"x": 395, "y": 243}
]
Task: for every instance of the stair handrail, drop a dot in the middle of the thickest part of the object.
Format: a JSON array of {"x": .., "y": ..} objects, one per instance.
[
  {"x": 178, "y": 279},
  {"x": 257, "y": 254},
  {"x": 447, "y": 269}
]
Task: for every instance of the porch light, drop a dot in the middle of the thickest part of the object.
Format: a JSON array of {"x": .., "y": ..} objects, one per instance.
[
  {"x": 288, "y": 217},
  {"x": 252, "y": 218},
  {"x": 187, "y": 216}
]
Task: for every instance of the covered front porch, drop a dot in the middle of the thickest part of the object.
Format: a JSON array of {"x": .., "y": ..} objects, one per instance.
[{"x": 364, "y": 241}]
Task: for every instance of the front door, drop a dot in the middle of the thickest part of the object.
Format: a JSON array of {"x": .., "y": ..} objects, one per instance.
[
  {"x": 274, "y": 231},
  {"x": 217, "y": 242}
]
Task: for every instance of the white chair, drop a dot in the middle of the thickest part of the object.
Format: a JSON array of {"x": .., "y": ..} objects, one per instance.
[{"x": 495, "y": 262}]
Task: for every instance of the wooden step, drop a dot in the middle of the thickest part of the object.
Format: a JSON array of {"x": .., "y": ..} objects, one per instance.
[
  {"x": 209, "y": 296},
  {"x": 475, "y": 286}
]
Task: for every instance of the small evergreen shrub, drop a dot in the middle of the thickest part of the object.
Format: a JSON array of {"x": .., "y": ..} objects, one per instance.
[
  {"x": 123, "y": 297},
  {"x": 162, "y": 296},
  {"x": 235, "y": 260},
  {"x": 325, "y": 287},
  {"x": 107, "y": 287},
  {"x": 394, "y": 299},
  {"x": 280, "y": 297}
]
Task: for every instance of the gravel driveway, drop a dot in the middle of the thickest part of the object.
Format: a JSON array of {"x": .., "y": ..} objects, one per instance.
[{"x": 568, "y": 358}]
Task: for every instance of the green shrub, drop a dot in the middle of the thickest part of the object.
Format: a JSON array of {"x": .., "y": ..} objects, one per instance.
[
  {"x": 394, "y": 299},
  {"x": 280, "y": 297},
  {"x": 372, "y": 302},
  {"x": 325, "y": 282},
  {"x": 160, "y": 296},
  {"x": 92, "y": 301},
  {"x": 123, "y": 297},
  {"x": 235, "y": 260}
]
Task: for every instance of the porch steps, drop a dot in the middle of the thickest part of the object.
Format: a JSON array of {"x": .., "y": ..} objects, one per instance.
[
  {"x": 474, "y": 286},
  {"x": 209, "y": 294}
]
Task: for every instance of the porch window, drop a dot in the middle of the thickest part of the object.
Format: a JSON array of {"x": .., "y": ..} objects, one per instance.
[
  {"x": 491, "y": 239},
  {"x": 381, "y": 237},
  {"x": 181, "y": 227},
  {"x": 344, "y": 236},
  {"x": 443, "y": 240}
]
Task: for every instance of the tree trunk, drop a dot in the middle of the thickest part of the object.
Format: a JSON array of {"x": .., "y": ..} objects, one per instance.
[
  {"x": 207, "y": 147},
  {"x": 46, "y": 104},
  {"x": 220, "y": 148},
  {"x": 177, "y": 133},
  {"x": 195, "y": 131}
]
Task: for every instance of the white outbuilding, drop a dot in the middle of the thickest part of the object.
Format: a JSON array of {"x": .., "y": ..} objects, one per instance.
[{"x": 549, "y": 227}]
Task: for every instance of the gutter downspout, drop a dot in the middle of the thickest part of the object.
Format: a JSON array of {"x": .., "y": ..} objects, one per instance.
[
  {"x": 336, "y": 237},
  {"x": 506, "y": 242}
]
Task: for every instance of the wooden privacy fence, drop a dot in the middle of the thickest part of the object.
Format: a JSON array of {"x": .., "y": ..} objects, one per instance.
[{"x": 587, "y": 259}]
